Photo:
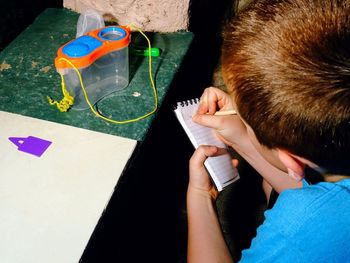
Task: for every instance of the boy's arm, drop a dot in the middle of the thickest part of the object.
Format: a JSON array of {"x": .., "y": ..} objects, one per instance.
[
  {"x": 205, "y": 239},
  {"x": 276, "y": 178}
]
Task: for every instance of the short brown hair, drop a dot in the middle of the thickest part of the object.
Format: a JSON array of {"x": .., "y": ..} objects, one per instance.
[{"x": 288, "y": 65}]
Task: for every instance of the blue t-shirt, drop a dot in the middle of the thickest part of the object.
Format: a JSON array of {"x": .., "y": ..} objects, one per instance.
[{"x": 310, "y": 224}]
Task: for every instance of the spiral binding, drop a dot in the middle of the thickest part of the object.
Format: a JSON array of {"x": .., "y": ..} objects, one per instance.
[{"x": 187, "y": 102}]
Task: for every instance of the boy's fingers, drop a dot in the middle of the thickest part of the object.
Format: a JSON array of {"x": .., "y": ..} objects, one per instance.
[
  {"x": 205, "y": 151},
  {"x": 235, "y": 162},
  {"x": 208, "y": 101},
  {"x": 215, "y": 122},
  {"x": 203, "y": 104},
  {"x": 202, "y": 153}
]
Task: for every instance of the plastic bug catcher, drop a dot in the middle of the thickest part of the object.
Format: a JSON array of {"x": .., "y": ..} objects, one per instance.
[{"x": 98, "y": 61}]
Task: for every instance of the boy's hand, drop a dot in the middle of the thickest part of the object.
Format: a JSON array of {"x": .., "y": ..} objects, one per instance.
[
  {"x": 231, "y": 130},
  {"x": 199, "y": 177},
  {"x": 214, "y": 99}
]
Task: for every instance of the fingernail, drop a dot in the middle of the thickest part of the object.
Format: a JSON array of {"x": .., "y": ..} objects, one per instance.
[{"x": 294, "y": 175}]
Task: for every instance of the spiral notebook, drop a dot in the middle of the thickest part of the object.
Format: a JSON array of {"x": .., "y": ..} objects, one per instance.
[{"x": 220, "y": 167}]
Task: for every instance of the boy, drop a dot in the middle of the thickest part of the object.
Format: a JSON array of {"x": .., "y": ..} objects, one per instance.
[{"x": 286, "y": 65}]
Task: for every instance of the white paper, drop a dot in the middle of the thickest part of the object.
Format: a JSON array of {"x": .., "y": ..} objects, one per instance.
[{"x": 50, "y": 205}]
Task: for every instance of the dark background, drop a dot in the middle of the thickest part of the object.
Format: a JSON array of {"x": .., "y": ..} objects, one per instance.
[
  {"x": 145, "y": 220},
  {"x": 16, "y": 15}
]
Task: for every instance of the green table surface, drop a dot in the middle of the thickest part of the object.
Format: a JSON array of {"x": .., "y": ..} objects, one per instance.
[{"x": 28, "y": 75}]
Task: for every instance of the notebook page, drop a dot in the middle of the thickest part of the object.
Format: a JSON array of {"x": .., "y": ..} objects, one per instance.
[{"x": 219, "y": 167}]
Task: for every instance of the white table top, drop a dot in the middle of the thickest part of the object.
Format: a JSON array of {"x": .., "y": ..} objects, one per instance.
[{"x": 50, "y": 205}]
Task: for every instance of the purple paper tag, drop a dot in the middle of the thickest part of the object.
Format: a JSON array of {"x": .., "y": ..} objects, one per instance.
[{"x": 31, "y": 144}]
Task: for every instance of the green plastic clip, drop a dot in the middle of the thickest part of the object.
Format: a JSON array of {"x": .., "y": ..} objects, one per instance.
[{"x": 139, "y": 51}]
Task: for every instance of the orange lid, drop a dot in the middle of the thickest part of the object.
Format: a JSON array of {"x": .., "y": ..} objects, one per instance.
[{"x": 83, "y": 51}]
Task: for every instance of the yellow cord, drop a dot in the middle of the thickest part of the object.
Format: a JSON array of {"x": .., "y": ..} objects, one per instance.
[{"x": 68, "y": 100}]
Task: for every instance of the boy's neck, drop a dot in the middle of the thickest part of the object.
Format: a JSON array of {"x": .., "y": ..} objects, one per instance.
[{"x": 335, "y": 178}]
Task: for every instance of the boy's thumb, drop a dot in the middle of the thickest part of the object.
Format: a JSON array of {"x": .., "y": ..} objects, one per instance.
[{"x": 207, "y": 120}]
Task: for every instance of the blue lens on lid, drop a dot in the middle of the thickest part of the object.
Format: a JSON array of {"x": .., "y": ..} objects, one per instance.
[
  {"x": 81, "y": 46},
  {"x": 76, "y": 50}
]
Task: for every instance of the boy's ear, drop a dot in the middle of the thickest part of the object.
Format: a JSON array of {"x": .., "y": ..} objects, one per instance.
[{"x": 295, "y": 164}]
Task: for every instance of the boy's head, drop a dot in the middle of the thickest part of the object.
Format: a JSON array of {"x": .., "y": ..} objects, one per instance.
[{"x": 287, "y": 64}]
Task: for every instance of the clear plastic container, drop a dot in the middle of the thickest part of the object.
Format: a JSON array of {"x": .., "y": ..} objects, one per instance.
[
  {"x": 101, "y": 56},
  {"x": 88, "y": 21}
]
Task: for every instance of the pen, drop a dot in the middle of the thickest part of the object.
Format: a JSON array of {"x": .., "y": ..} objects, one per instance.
[{"x": 225, "y": 112}]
